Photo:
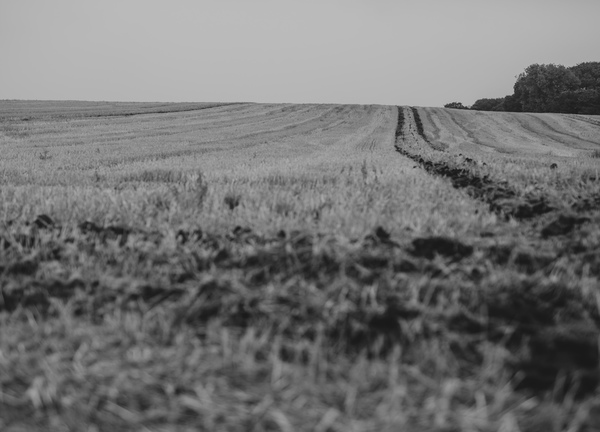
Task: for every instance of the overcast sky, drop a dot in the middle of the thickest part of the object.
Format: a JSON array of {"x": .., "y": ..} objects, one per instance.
[{"x": 409, "y": 52}]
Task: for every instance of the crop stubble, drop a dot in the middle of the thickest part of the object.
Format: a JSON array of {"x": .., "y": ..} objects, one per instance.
[
  {"x": 336, "y": 292},
  {"x": 545, "y": 226}
]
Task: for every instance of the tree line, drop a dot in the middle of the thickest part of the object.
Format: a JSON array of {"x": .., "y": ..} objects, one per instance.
[{"x": 549, "y": 88}]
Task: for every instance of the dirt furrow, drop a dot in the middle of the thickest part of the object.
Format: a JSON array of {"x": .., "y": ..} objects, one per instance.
[
  {"x": 501, "y": 198},
  {"x": 546, "y": 242}
]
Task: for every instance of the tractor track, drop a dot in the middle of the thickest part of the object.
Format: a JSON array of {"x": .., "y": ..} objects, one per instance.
[
  {"x": 530, "y": 249},
  {"x": 501, "y": 198}
]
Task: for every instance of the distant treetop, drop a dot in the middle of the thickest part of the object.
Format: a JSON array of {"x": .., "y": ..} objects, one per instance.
[
  {"x": 549, "y": 88},
  {"x": 455, "y": 105}
]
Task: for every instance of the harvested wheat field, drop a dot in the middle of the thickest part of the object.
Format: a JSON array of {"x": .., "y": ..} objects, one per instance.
[
  {"x": 512, "y": 133},
  {"x": 250, "y": 267}
]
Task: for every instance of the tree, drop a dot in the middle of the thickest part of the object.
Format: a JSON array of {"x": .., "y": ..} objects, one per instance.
[
  {"x": 540, "y": 85},
  {"x": 588, "y": 74},
  {"x": 582, "y": 101},
  {"x": 511, "y": 104},
  {"x": 455, "y": 105},
  {"x": 496, "y": 104},
  {"x": 549, "y": 88}
]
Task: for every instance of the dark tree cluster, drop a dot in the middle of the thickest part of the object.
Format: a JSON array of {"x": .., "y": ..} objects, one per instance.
[
  {"x": 456, "y": 105},
  {"x": 495, "y": 104},
  {"x": 550, "y": 88}
]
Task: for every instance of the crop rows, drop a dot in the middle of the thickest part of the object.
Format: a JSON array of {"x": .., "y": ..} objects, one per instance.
[
  {"x": 305, "y": 273},
  {"x": 573, "y": 228}
]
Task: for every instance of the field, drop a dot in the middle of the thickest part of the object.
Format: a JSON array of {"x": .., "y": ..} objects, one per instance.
[{"x": 249, "y": 267}]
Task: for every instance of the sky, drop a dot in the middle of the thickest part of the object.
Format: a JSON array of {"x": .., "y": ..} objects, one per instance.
[{"x": 397, "y": 52}]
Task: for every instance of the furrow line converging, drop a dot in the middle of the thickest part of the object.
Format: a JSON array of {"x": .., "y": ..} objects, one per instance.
[{"x": 501, "y": 198}]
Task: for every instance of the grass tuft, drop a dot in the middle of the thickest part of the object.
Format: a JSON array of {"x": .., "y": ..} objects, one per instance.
[
  {"x": 45, "y": 155},
  {"x": 232, "y": 200}
]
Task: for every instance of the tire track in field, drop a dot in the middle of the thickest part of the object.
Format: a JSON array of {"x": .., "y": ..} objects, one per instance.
[
  {"x": 543, "y": 220},
  {"x": 523, "y": 132},
  {"x": 365, "y": 138},
  {"x": 528, "y": 126},
  {"x": 436, "y": 132},
  {"x": 501, "y": 198},
  {"x": 451, "y": 116},
  {"x": 587, "y": 120},
  {"x": 569, "y": 322},
  {"x": 466, "y": 134},
  {"x": 412, "y": 129}
]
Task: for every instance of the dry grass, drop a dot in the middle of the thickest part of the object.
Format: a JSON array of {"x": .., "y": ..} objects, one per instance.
[
  {"x": 524, "y": 168},
  {"x": 261, "y": 267}
]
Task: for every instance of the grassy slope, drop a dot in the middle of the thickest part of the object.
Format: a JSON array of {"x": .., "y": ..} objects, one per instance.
[{"x": 255, "y": 266}]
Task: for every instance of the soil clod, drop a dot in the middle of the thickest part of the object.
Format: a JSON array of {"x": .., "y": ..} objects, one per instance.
[
  {"x": 232, "y": 201},
  {"x": 382, "y": 234},
  {"x": 530, "y": 209},
  {"x": 89, "y": 227},
  {"x": 562, "y": 225},
  {"x": 429, "y": 247},
  {"x": 184, "y": 236},
  {"x": 111, "y": 232},
  {"x": 569, "y": 352},
  {"x": 43, "y": 221}
]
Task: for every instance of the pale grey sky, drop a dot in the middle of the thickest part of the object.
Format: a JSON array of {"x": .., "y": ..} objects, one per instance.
[{"x": 409, "y": 52}]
